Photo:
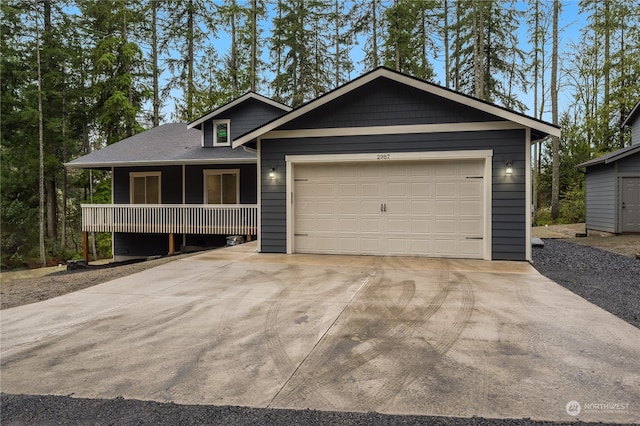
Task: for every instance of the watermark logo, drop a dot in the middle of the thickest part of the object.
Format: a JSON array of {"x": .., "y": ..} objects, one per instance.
[{"x": 573, "y": 408}]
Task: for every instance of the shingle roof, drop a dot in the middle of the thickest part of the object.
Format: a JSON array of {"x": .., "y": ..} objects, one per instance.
[
  {"x": 167, "y": 144},
  {"x": 611, "y": 157}
]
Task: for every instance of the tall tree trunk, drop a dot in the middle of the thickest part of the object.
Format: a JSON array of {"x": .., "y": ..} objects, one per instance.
[
  {"x": 234, "y": 51},
  {"x": 254, "y": 45},
  {"x": 374, "y": 33},
  {"x": 43, "y": 257},
  {"x": 447, "y": 63},
  {"x": 154, "y": 63},
  {"x": 478, "y": 49},
  {"x": 555, "y": 141},
  {"x": 337, "y": 44},
  {"x": 190, "y": 59}
]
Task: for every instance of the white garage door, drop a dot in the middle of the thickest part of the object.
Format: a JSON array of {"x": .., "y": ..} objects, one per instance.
[{"x": 426, "y": 208}]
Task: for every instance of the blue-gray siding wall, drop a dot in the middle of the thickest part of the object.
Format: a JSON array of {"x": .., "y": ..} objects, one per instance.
[
  {"x": 384, "y": 102},
  {"x": 601, "y": 199},
  {"x": 635, "y": 131},
  {"x": 244, "y": 118},
  {"x": 508, "y": 193}
]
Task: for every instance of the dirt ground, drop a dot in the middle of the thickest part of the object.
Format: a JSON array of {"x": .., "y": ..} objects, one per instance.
[
  {"x": 24, "y": 287},
  {"x": 625, "y": 244},
  {"x": 29, "y": 286}
]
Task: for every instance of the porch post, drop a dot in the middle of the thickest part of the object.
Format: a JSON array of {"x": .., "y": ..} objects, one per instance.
[
  {"x": 85, "y": 246},
  {"x": 171, "y": 249}
]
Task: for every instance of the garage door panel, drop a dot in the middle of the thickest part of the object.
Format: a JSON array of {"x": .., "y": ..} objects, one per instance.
[
  {"x": 325, "y": 207},
  {"x": 445, "y": 208},
  {"x": 445, "y": 189},
  {"x": 346, "y": 224},
  {"x": 470, "y": 208},
  {"x": 445, "y": 226},
  {"x": 420, "y": 226},
  {"x": 425, "y": 208}
]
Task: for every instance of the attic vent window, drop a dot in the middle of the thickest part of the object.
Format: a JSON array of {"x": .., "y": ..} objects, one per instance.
[{"x": 221, "y": 135}]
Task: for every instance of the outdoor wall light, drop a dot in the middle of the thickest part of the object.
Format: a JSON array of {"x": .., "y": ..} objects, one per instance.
[
  {"x": 508, "y": 168},
  {"x": 272, "y": 173}
]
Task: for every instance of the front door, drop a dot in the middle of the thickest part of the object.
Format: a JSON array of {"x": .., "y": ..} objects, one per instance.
[{"x": 630, "y": 204}]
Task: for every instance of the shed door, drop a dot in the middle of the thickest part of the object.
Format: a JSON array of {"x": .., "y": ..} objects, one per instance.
[
  {"x": 630, "y": 204},
  {"x": 427, "y": 208}
]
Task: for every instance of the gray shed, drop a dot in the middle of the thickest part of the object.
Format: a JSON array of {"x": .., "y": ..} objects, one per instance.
[{"x": 613, "y": 185}]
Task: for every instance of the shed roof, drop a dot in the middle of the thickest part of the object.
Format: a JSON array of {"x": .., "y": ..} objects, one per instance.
[
  {"x": 611, "y": 157},
  {"x": 540, "y": 128},
  {"x": 632, "y": 115},
  {"x": 168, "y": 144}
]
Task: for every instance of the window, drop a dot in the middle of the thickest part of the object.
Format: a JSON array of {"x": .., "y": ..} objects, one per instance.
[
  {"x": 221, "y": 133},
  {"x": 222, "y": 186},
  {"x": 144, "y": 187}
]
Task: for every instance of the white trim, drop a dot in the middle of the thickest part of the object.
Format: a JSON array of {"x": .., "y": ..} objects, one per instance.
[
  {"x": 213, "y": 172},
  {"x": 203, "y": 162},
  {"x": 486, "y": 155},
  {"x": 238, "y": 101},
  {"x": 527, "y": 199},
  {"x": 420, "y": 85},
  {"x": 394, "y": 130},
  {"x": 215, "y": 133},
  {"x": 391, "y": 156},
  {"x": 259, "y": 193},
  {"x": 133, "y": 175}
]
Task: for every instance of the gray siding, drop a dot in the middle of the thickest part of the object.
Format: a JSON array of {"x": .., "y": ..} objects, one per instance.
[
  {"x": 244, "y": 118},
  {"x": 171, "y": 183},
  {"x": 508, "y": 193},
  {"x": 635, "y": 131},
  {"x": 601, "y": 198},
  {"x": 384, "y": 102},
  {"x": 630, "y": 164}
]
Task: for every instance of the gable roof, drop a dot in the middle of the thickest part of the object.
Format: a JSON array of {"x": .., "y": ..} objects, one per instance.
[
  {"x": 542, "y": 127},
  {"x": 632, "y": 115},
  {"x": 168, "y": 144},
  {"x": 611, "y": 157},
  {"x": 236, "y": 102}
]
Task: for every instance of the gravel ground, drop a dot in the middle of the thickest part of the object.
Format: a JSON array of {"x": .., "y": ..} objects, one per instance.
[
  {"x": 608, "y": 280},
  {"x": 29, "y": 410}
]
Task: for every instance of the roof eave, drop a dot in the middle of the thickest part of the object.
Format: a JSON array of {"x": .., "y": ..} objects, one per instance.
[
  {"x": 632, "y": 114},
  {"x": 194, "y": 162}
]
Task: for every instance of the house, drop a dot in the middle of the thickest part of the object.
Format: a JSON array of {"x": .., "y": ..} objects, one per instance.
[
  {"x": 181, "y": 184},
  {"x": 386, "y": 164},
  {"x": 392, "y": 165},
  {"x": 613, "y": 185}
]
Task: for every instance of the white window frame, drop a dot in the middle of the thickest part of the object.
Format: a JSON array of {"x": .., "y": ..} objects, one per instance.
[
  {"x": 133, "y": 175},
  {"x": 215, "y": 133},
  {"x": 209, "y": 172}
]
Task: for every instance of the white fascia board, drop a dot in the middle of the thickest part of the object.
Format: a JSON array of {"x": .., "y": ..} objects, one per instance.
[
  {"x": 235, "y": 102},
  {"x": 160, "y": 163},
  {"x": 390, "y": 156},
  {"x": 479, "y": 126},
  {"x": 392, "y": 75}
]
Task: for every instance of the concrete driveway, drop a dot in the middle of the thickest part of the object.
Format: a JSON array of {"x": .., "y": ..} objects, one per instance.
[{"x": 392, "y": 335}]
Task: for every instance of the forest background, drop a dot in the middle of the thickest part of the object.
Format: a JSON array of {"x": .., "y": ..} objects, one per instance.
[{"x": 77, "y": 75}]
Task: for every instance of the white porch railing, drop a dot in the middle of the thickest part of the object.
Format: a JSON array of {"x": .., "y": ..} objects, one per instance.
[{"x": 225, "y": 219}]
